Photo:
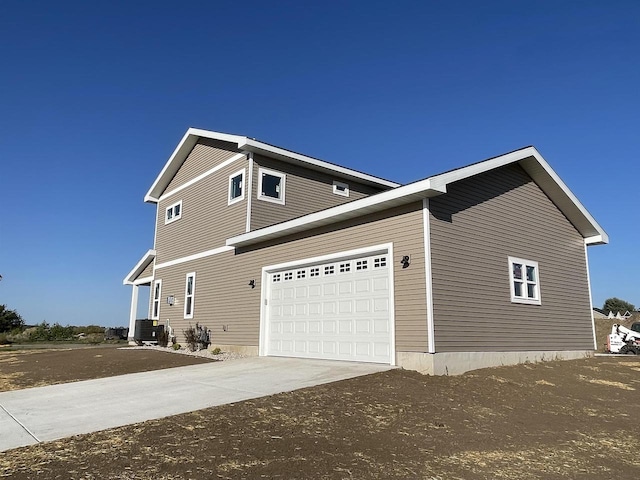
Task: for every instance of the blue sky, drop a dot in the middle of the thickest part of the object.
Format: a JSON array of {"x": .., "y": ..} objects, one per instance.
[{"x": 94, "y": 97}]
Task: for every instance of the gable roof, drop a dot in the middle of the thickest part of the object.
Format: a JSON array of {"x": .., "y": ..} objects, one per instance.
[
  {"x": 143, "y": 263},
  {"x": 247, "y": 144},
  {"x": 528, "y": 158}
]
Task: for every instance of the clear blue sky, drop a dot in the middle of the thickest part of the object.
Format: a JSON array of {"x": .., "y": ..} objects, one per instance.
[{"x": 94, "y": 97}]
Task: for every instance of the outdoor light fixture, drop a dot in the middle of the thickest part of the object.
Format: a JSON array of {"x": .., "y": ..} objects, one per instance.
[
  {"x": 171, "y": 299},
  {"x": 252, "y": 283},
  {"x": 405, "y": 261}
]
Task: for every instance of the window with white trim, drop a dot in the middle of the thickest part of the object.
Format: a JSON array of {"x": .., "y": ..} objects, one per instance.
[
  {"x": 189, "y": 294},
  {"x": 236, "y": 187},
  {"x": 173, "y": 213},
  {"x": 155, "y": 306},
  {"x": 340, "y": 188},
  {"x": 271, "y": 186},
  {"x": 524, "y": 280}
]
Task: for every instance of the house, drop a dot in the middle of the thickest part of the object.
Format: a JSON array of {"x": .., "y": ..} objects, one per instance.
[
  {"x": 282, "y": 254},
  {"x": 599, "y": 314}
]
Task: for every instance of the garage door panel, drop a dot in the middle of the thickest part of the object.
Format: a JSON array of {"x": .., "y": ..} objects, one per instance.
[{"x": 338, "y": 310}]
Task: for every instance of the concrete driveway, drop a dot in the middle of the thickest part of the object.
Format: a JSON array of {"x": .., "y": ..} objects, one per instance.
[{"x": 48, "y": 413}]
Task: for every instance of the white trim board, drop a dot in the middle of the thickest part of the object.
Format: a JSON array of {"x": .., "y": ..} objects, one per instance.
[
  {"x": 195, "y": 256},
  {"x": 146, "y": 259}
]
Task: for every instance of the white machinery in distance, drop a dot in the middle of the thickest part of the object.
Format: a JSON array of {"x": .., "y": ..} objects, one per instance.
[{"x": 624, "y": 340}]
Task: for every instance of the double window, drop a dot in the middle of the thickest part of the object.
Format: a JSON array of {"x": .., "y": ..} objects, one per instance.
[
  {"x": 271, "y": 186},
  {"x": 525, "y": 284},
  {"x": 236, "y": 187},
  {"x": 189, "y": 294},
  {"x": 173, "y": 212}
]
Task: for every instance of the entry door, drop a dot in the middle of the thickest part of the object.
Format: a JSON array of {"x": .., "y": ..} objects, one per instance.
[{"x": 336, "y": 310}]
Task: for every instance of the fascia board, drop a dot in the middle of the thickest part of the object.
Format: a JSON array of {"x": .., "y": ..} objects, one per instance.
[
  {"x": 140, "y": 266},
  {"x": 381, "y": 201},
  {"x": 178, "y": 156},
  {"x": 545, "y": 177},
  {"x": 553, "y": 186},
  {"x": 260, "y": 147}
]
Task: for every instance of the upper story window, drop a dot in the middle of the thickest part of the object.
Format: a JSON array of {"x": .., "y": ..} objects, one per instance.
[
  {"x": 525, "y": 284},
  {"x": 271, "y": 186},
  {"x": 236, "y": 187},
  {"x": 340, "y": 188},
  {"x": 173, "y": 212}
]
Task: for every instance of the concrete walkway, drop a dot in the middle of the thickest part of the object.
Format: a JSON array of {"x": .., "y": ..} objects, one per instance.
[{"x": 43, "y": 414}]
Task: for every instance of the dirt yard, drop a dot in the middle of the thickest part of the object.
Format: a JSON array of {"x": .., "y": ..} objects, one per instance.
[
  {"x": 36, "y": 368},
  {"x": 574, "y": 419}
]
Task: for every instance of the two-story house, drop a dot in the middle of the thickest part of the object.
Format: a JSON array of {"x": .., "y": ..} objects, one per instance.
[{"x": 282, "y": 254}]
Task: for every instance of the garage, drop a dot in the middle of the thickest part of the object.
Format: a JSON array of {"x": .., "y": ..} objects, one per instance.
[{"x": 338, "y": 309}]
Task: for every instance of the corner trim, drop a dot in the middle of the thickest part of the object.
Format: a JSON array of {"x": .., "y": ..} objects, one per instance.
[{"x": 428, "y": 276}]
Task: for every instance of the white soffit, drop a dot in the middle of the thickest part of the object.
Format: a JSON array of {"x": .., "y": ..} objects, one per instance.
[
  {"x": 529, "y": 158},
  {"x": 143, "y": 263},
  {"x": 247, "y": 144}
]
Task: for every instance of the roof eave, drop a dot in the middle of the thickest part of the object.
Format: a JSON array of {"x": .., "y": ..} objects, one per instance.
[
  {"x": 381, "y": 201},
  {"x": 146, "y": 259}
]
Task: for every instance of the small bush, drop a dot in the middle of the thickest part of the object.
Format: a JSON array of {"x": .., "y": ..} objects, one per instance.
[
  {"x": 216, "y": 351},
  {"x": 197, "y": 338},
  {"x": 4, "y": 340},
  {"x": 177, "y": 346},
  {"x": 163, "y": 338}
]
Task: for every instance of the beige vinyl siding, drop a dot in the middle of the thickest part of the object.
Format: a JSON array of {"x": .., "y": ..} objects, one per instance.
[
  {"x": 205, "y": 155},
  {"x": 306, "y": 191},
  {"x": 223, "y": 296},
  {"x": 475, "y": 227},
  {"x": 207, "y": 219}
]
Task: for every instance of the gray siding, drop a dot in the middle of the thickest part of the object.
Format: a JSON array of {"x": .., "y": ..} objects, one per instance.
[
  {"x": 207, "y": 219},
  {"x": 306, "y": 191},
  {"x": 474, "y": 229},
  {"x": 223, "y": 296},
  {"x": 205, "y": 155}
]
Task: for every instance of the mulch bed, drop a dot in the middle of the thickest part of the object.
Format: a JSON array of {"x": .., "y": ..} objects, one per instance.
[{"x": 572, "y": 419}]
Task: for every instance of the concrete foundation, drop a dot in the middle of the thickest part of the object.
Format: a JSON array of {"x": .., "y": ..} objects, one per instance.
[
  {"x": 456, "y": 363},
  {"x": 249, "y": 351}
]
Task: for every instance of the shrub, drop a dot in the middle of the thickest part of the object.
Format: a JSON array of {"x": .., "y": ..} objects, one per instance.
[
  {"x": 176, "y": 346},
  {"x": 163, "y": 338},
  {"x": 216, "y": 351},
  {"x": 4, "y": 340},
  {"x": 197, "y": 338}
]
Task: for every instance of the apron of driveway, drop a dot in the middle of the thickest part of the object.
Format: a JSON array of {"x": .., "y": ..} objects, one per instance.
[{"x": 43, "y": 414}]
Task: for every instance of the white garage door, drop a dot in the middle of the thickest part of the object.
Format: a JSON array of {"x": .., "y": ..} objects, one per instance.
[{"x": 336, "y": 310}]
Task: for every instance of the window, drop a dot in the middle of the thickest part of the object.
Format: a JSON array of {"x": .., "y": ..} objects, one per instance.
[
  {"x": 189, "y": 293},
  {"x": 276, "y": 277},
  {"x": 174, "y": 212},
  {"x": 345, "y": 267},
  {"x": 340, "y": 188},
  {"x": 271, "y": 186},
  {"x": 379, "y": 262},
  {"x": 236, "y": 187},
  {"x": 288, "y": 275},
  {"x": 362, "y": 265},
  {"x": 300, "y": 274},
  {"x": 329, "y": 270},
  {"x": 525, "y": 284},
  {"x": 314, "y": 272},
  {"x": 155, "y": 307}
]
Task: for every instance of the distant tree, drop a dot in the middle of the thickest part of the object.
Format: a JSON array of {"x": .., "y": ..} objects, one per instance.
[
  {"x": 9, "y": 319},
  {"x": 616, "y": 305}
]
